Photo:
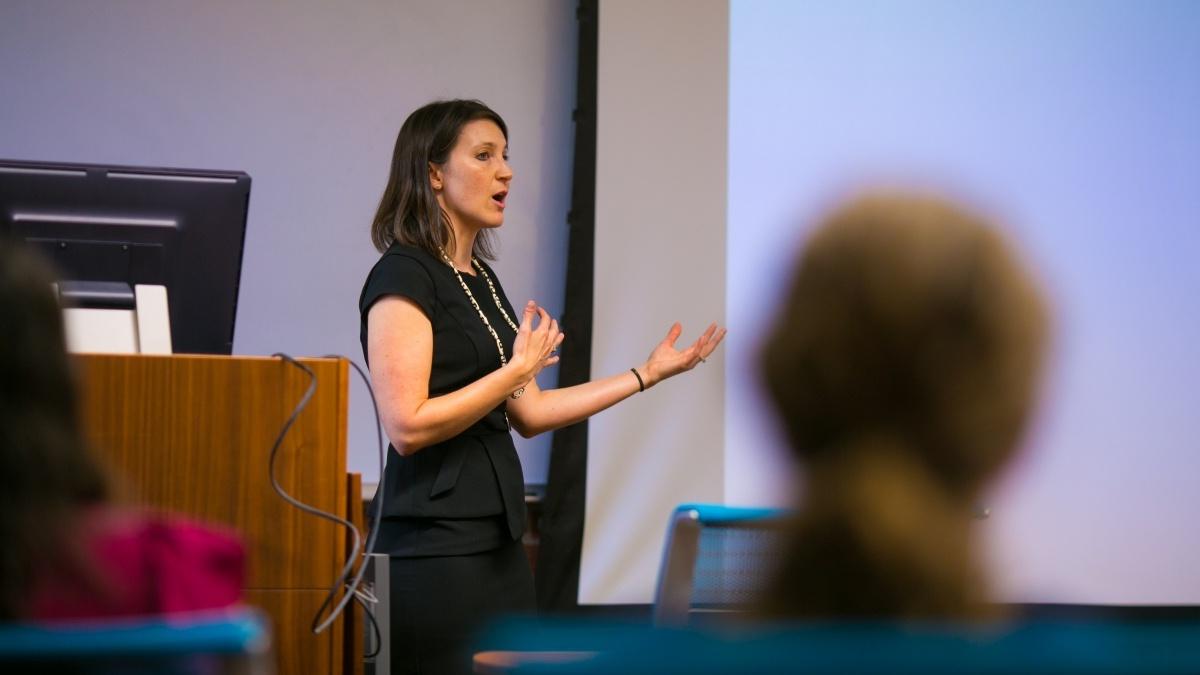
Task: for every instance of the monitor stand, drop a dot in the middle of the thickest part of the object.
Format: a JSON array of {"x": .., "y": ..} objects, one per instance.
[{"x": 114, "y": 318}]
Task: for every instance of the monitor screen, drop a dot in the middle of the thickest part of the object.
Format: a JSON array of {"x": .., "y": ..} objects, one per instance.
[{"x": 179, "y": 228}]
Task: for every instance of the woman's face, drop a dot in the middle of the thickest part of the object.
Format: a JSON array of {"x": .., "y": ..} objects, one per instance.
[{"x": 472, "y": 185}]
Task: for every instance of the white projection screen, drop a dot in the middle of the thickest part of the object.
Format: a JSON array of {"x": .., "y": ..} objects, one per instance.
[
  {"x": 725, "y": 128},
  {"x": 660, "y": 258}
]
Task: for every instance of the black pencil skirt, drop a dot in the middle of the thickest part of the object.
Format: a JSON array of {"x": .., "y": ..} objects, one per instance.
[{"x": 439, "y": 603}]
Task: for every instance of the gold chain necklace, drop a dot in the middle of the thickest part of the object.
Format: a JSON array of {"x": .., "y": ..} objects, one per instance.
[{"x": 483, "y": 317}]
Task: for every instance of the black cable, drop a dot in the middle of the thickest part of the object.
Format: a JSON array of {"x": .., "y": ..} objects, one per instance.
[
  {"x": 375, "y": 633},
  {"x": 351, "y": 589},
  {"x": 378, "y": 514}
]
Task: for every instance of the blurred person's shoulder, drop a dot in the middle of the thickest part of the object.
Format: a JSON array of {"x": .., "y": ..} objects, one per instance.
[{"x": 125, "y": 561}]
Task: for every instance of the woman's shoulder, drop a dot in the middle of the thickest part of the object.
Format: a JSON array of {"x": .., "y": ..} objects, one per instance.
[
  {"x": 403, "y": 260},
  {"x": 402, "y": 270},
  {"x": 142, "y": 563},
  {"x": 398, "y": 251}
]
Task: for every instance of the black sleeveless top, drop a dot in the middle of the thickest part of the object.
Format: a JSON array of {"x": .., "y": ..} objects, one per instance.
[{"x": 466, "y": 494}]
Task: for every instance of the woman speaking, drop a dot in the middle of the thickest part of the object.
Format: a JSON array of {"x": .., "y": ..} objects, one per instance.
[{"x": 453, "y": 366}]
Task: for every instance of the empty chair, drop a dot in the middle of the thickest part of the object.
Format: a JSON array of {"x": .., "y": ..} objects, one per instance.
[{"x": 715, "y": 560}]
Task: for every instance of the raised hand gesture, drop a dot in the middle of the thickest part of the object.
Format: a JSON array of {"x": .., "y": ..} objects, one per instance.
[
  {"x": 666, "y": 360},
  {"x": 535, "y": 347}
]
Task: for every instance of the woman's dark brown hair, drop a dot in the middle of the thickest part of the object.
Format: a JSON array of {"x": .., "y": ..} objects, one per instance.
[
  {"x": 409, "y": 212},
  {"x": 903, "y": 364},
  {"x": 46, "y": 474}
]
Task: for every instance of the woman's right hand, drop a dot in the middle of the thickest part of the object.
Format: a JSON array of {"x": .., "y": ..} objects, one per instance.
[{"x": 535, "y": 347}]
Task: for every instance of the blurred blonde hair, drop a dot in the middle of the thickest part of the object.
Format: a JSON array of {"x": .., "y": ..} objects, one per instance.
[{"x": 903, "y": 364}]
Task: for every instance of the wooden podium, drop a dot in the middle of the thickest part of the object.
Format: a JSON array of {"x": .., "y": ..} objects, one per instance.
[{"x": 193, "y": 434}]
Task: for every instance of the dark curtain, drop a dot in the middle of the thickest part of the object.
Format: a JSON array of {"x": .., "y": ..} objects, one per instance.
[{"x": 562, "y": 509}]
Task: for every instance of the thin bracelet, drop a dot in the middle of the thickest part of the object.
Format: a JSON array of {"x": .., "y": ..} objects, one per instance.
[{"x": 641, "y": 385}]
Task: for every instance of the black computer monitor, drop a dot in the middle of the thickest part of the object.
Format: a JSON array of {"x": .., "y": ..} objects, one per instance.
[{"x": 179, "y": 228}]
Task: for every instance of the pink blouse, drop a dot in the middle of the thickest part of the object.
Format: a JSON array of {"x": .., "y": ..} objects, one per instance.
[{"x": 137, "y": 564}]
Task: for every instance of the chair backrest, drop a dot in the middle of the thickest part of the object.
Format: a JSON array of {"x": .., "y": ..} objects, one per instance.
[
  {"x": 196, "y": 644},
  {"x": 715, "y": 559}
]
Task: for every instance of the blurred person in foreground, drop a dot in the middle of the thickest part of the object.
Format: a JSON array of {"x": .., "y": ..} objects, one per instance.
[
  {"x": 66, "y": 550},
  {"x": 904, "y": 364}
]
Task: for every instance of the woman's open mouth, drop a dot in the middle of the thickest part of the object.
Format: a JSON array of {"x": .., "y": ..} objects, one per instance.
[{"x": 499, "y": 198}]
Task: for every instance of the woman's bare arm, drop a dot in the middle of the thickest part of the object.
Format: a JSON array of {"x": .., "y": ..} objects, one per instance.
[
  {"x": 540, "y": 410},
  {"x": 400, "y": 348}
]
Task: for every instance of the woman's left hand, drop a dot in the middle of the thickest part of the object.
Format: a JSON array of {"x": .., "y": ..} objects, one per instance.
[{"x": 666, "y": 361}]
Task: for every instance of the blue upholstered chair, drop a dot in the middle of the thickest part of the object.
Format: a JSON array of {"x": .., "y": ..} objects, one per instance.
[
  {"x": 714, "y": 560},
  {"x": 1075, "y": 647},
  {"x": 193, "y": 644}
]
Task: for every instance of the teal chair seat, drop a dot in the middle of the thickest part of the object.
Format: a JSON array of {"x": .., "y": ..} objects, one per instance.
[
  {"x": 202, "y": 643},
  {"x": 1078, "y": 647},
  {"x": 716, "y": 559}
]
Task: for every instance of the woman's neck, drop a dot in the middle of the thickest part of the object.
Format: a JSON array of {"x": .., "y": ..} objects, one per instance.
[{"x": 464, "y": 244}]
